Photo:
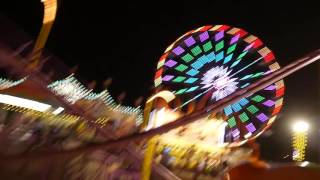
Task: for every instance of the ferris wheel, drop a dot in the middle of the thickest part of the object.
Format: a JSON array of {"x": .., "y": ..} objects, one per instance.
[{"x": 207, "y": 64}]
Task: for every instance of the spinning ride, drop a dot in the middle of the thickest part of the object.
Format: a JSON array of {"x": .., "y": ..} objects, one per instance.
[
  {"x": 209, "y": 63},
  {"x": 200, "y": 68}
]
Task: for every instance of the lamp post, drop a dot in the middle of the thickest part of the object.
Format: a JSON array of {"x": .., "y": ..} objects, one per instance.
[{"x": 299, "y": 140}]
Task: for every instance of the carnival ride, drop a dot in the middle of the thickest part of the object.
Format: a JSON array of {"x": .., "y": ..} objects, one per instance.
[
  {"x": 216, "y": 88},
  {"x": 207, "y": 64},
  {"x": 202, "y": 67}
]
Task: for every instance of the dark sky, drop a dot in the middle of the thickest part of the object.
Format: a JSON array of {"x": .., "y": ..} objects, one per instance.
[{"x": 124, "y": 40}]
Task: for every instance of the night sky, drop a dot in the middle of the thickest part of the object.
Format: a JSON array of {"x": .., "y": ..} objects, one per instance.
[{"x": 123, "y": 40}]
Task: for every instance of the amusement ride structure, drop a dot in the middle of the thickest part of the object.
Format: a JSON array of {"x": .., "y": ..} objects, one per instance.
[{"x": 217, "y": 88}]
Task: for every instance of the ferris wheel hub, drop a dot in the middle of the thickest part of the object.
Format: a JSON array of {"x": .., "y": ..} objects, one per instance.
[{"x": 219, "y": 79}]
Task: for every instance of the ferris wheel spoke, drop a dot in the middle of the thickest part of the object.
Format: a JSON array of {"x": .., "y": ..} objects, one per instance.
[
  {"x": 192, "y": 99},
  {"x": 247, "y": 66},
  {"x": 208, "y": 64}
]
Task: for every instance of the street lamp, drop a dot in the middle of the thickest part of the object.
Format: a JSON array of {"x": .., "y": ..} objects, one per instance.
[{"x": 299, "y": 140}]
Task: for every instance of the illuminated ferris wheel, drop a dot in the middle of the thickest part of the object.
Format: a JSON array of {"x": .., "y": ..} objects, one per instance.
[{"x": 207, "y": 64}]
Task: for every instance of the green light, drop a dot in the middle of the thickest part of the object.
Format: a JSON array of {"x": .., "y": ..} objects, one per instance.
[
  {"x": 235, "y": 63},
  {"x": 181, "y": 67},
  {"x": 243, "y": 117},
  {"x": 258, "y": 98},
  {"x": 252, "y": 109},
  {"x": 192, "y": 88},
  {"x": 247, "y": 76},
  {"x": 219, "y": 46},
  {"x": 231, "y": 48},
  {"x": 257, "y": 74},
  {"x": 187, "y": 58},
  {"x": 242, "y": 54},
  {"x": 207, "y": 46},
  {"x": 181, "y": 91},
  {"x": 196, "y": 50},
  {"x": 179, "y": 79},
  {"x": 232, "y": 122}
]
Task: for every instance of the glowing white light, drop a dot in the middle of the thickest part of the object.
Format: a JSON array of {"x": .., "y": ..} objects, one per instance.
[
  {"x": 25, "y": 103},
  {"x": 219, "y": 79},
  {"x": 58, "y": 110},
  {"x": 301, "y": 126},
  {"x": 222, "y": 131},
  {"x": 71, "y": 89},
  {"x": 249, "y": 134},
  {"x": 5, "y": 83},
  {"x": 160, "y": 117},
  {"x": 304, "y": 164},
  {"x": 224, "y": 124}
]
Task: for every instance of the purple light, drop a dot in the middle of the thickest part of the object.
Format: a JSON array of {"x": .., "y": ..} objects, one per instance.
[
  {"x": 235, "y": 133},
  {"x": 189, "y": 41},
  {"x": 268, "y": 103},
  {"x": 204, "y": 36},
  {"x": 170, "y": 63},
  {"x": 262, "y": 117},
  {"x": 270, "y": 88},
  {"x": 219, "y": 35},
  {"x": 250, "y": 127},
  {"x": 167, "y": 77},
  {"x": 234, "y": 39},
  {"x": 178, "y": 50},
  {"x": 248, "y": 47},
  {"x": 267, "y": 72}
]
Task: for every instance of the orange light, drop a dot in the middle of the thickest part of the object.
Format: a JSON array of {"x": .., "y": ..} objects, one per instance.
[{"x": 50, "y": 9}]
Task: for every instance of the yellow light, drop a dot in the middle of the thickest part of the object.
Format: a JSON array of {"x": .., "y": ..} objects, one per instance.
[
  {"x": 166, "y": 95},
  {"x": 301, "y": 126},
  {"x": 161, "y": 117},
  {"x": 50, "y": 10},
  {"x": 299, "y": 140}
]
